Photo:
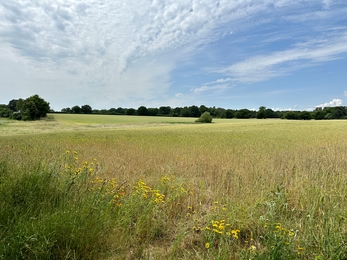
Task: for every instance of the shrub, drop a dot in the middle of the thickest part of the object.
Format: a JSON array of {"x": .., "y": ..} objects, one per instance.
[{"x": 205, "y": 118}]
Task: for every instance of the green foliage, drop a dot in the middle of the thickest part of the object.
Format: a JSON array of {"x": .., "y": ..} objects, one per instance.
[
  {"x": 6, "y": 112},
  {"x": 76, "y": 110},
  {"x": 261, "y": 114},
  {"x": 205, "y": 118},
  {"x": 130, "y": 111},
  {"x": 86, "y": 109},
  {"x": 52, "y": 213},
  {"x": 243, "y": 113},
  {"x": 142, "y": 111}
]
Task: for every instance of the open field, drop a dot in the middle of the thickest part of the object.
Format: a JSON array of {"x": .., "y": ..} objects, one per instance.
[{"x": 234, "y": 189}]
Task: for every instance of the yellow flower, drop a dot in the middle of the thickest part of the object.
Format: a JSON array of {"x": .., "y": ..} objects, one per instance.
[
  {"x": 207, "y": 245},
  {"x": 252, "y": 248},
  {"x": 235, "y": 233},
  {"x": 217, "y": 231},
  {"x": 67, "y": 151}
]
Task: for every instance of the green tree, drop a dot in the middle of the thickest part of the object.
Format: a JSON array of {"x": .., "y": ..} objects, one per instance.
[
  {"x": 6, "y": 112},
  {"x": 30, "y": 111},
  {"x": 76, "y": 110},
  {"x": 229, "y": 113},
  {"x": 41, "y": 105},
  {"x": 130, "y": 111},
  {"x": 13, "y": 105},
  {"x": 142, "y": 111},
  {"x": 86, "y": 109},
  {"x": 204, "y": 118},
  {"x": 305, "y": 115},
  {"x": 194, "y": 111},
  {"x": 66, "y": 110},
  {"x": 261, "y": 114},
  {"x": 164, "y": 111},
  {"x": 184, "y": 112},
  {"x": 243, "y": 113},
  {"x": 203, "y": 109},
  {"x": 153, "y": 111},
  {"x": 292, "y": 115}
]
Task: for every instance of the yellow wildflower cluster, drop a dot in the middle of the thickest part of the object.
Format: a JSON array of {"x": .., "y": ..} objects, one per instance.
[
  {"x": 220, "y": 227},
  {"x": 74, "y": 167},
  {"x": 283, "y": 232},
  {"x": 141, "y": 188},
  {"x": 110, "y": 187},
  {"x": 172, "y": 183}
]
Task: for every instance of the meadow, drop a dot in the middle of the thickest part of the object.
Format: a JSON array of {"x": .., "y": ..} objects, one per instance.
[{"x": 127, "y": 187}]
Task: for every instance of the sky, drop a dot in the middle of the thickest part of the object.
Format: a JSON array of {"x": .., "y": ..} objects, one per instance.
[{"x": 234, "y": 54}]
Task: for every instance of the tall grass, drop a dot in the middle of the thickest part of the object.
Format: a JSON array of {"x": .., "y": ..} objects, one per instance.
[{"x": 253, "y": 189}]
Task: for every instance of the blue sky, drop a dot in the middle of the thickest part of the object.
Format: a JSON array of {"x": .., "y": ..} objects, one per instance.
[{"x": 284, "y": 54}]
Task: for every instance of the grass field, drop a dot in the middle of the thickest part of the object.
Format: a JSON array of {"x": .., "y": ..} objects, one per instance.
[{"x": 156, "y": 187}]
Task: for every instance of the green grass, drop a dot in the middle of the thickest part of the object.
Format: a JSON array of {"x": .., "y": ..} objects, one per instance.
[
  {"x": 234, "y": 189},
  {"x": 117, "y": 119}
]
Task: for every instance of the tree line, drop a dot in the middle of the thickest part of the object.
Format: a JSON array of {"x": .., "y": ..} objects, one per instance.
[
  {"x": 35, "y": 107},
  {"x": 339, "y": 112}
]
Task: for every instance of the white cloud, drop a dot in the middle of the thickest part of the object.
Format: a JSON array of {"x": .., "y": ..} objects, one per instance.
[
  {"x": 222, "y": 80},
  {"x": 333, "y": 103},
  {"x": 345, "y": 93},
  {"x": 264, "y": 67},
  {"x": 206, "y": 88}
]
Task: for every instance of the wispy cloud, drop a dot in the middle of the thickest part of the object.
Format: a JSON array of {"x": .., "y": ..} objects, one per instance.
[
  {"x": 264, "y": 67},
  {"x": 206, "y": 88}
]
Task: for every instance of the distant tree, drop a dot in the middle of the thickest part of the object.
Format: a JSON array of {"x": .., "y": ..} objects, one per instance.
[
  {"x": 194, "y": 111},
  {"x": 13, "y": 105},
  {"x": 261, "y": 114},
  {"x": 176, "y": 111},
  {"x": 130, "y": 111},
  {"x": 185, "y": 112},
  {"x": 30, "y": 111},
  {"x": 204, "y": 118},
  {"x": 203, "y": 109},
  {"x": 86, "y": 109},
  {"x": 112, "y": 111},
  {"x": 31, "y": 108},
  {"x": 319, "y": 114},
  {"x": 243, "y": 113},
  {"x": 153, "y": 111},
  {"x": 164, "y": 111},
  {"x": 217, "y": 112},
  {"x": 6, "y": 112},
  {"x": 66, "y": 110},
  {"x": 229, "y": 113},
  {"x": 339, "y": 112},
  {"x": 291, "y": 115},
  {"x": 76, "y": 110},
  {"x": 121, "y": 111},
  {"x": 270, "y": 113},
  {"x": 142, "y": 111},
  {"x": 305, "y": 115}
]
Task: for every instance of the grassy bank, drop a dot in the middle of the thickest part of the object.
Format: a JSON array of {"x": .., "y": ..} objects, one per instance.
[{"x": 235, "y": 189}]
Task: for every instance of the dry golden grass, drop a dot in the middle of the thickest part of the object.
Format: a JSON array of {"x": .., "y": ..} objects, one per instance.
[{"x": 248, "y": 172}]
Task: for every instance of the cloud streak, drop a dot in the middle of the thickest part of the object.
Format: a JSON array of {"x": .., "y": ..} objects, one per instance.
[{"x": 264, "y": 67}]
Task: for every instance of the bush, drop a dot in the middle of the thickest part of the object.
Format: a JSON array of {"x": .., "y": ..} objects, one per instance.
[{"x": 205, "y": 118}]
